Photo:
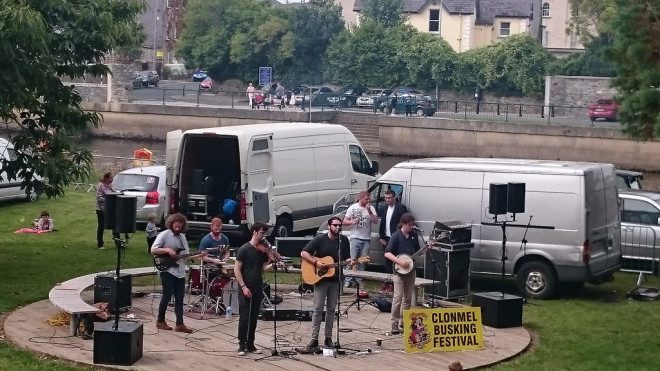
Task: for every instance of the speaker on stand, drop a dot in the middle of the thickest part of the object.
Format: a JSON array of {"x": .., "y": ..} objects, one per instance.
[
  {"x": 110, "y": 209},
  {"x": 125, "y": 213}
]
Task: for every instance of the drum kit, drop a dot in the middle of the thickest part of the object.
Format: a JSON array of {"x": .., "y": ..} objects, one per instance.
[{"x": 215, "y": 286}]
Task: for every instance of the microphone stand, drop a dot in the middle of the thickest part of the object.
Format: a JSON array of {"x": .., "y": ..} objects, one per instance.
[{"x": 340, "y": 275}]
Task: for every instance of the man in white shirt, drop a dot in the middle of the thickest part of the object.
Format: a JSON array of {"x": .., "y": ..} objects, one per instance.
[{"x": 361, "y": 215}]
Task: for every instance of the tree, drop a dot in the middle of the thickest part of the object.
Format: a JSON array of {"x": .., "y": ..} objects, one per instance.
[
  {"x": 590, "y": 18},
  {"x": 39, "y": 42},
  {"x": 593, "y": 61},
  {"x": 636, "y": 52},
  {"x": 389, "y": 13}
]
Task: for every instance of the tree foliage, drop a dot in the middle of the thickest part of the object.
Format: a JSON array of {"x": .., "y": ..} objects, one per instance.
[
  {"x": 39, "y": 42},
  {"x": 389, "y": 13},
  {"x": 636, "y": 52},
  {"x": 590, "y": 18},
  {"x": 593, "y": 61}
]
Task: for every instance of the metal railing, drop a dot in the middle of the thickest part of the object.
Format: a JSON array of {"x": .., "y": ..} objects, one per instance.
[{"x": 639, "y": 249}]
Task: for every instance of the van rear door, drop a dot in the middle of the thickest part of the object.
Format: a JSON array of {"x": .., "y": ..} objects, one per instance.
[
  {"x": 172, "y": 145},
  {"x": 260, "y": 179},
  {"x": 601, "y": 218}
]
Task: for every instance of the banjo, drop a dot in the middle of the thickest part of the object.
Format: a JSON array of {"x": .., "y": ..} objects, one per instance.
[{"x": 409, "y": 259}]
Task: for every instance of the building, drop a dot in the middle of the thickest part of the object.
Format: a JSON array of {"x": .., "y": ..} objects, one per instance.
[
  {"x": 555, "y": 17},
  {"x": 469, "y": 24}
]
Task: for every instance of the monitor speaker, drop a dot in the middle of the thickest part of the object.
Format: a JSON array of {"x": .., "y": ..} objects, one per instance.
[
  {"x": 516, "y": 198},
  {"x": 106, "y": 290},
  {"x": 451, "y": 272},
  {"x": 125, "y": 210},
  {"x": 120, "y": 346},
  {"x": 497, "y": 203},
  {"x": 110, "y": 209},
  {"x": 499, "y": 310}
]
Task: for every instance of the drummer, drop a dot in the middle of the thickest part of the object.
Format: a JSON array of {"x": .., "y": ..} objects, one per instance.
[{"x": 215, "y": 239}]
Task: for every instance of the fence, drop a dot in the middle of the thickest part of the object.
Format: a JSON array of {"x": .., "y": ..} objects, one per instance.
[
  {"x": 469, "y": 110},
  {"x": 639, "y": 248}
]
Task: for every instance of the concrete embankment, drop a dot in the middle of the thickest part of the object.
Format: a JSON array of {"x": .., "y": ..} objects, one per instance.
[{"x": 401, "y": 136}]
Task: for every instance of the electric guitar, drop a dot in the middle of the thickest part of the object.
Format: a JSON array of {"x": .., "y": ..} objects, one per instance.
[
  {"x": 164, "y": 261},
  {"x": 312, "y": 274}
]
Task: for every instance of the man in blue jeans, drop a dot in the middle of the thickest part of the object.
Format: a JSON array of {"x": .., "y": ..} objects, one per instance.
[{"x": 361, "y": 215}]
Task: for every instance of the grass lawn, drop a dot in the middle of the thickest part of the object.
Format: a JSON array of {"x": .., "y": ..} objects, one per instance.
[{"x": 591, "y": 328}]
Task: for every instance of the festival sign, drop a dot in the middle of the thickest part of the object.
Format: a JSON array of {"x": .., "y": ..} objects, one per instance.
[{"x": 442, "y": 329}]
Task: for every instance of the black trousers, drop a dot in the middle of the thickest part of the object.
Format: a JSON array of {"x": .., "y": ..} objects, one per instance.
[
  {"x": 100, "y": 220},
  {"x": 171, "y": 286},
  {"x": 249, "y": 311}
]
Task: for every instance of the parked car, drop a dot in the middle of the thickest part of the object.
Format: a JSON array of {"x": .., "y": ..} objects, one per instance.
[
  {"x": 11, "y": 188},
  {"x": 199, "y": 75},
  {"x": 318, "y": 95},
  {"x": 206, "y": 85},
  {"x": 425, "y": 105},
  {"x": 138, "y": 80},
  {"x": 377, "y": 94},
  {"x": 604, "y": 108},
  {"x": 640, "y": 225},
  {"x": 347, "y": 96},
  {"x": 149, "y": 78},
  {"x": 148, "y": 185},
  {"x": 627, "y": 179}
]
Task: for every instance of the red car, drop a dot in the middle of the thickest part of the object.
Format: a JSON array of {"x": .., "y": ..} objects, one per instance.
[{"x": 604, "y": 108}]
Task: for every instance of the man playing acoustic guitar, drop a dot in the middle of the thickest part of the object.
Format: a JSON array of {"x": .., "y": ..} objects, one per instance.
[{"x": 326, "y": 290}]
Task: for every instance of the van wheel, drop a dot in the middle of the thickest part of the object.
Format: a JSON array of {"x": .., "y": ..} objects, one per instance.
[
  {"x": 283, "y": 227},
  {"x": 536, "y": 280}
]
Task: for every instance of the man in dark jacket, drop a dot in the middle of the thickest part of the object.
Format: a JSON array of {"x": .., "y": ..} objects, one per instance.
[{"x": 390, "y": 213}]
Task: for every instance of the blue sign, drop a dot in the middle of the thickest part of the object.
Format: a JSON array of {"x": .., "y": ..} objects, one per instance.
[{"x": 265, "y": 75}]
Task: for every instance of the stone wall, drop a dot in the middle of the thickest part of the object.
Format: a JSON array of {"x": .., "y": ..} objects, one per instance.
[{"x": 576, "y": 91}]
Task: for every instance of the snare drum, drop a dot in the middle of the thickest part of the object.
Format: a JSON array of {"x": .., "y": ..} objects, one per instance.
[
  {"x": 228, "y": 270},
  {"x": 217, "y": 285}
]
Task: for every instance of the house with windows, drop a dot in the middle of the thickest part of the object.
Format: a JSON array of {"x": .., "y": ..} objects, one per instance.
[
  {"x": 469, "y": 24},
  {"x": 555, "y": 15}
]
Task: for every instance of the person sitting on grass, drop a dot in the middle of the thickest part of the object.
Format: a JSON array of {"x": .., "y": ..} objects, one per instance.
[{"x": 45, "y": 223}]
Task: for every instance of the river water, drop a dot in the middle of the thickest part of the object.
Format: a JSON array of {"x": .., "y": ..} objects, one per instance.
[{"x": 115, "y": 155}]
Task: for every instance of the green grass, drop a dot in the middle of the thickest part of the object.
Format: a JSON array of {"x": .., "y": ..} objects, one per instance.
[{"x": 591, "y": 328}]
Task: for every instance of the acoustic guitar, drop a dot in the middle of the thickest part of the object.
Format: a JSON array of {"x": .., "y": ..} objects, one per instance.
[
  {"x": 164, "y": 261},
  {"x": 311, "y": 274}
]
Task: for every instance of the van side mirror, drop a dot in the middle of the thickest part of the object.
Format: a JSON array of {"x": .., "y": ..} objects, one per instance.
[{"x": 374, "y": 167}]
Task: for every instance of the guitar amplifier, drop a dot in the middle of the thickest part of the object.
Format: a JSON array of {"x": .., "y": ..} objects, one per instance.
[
  {"x": 197, "y": 204},
  {"x": 450, "y": 233},
  {"x": 106, "y": 290}
]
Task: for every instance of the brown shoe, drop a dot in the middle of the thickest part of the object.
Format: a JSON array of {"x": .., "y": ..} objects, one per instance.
[
  {"x": 183, "y": 328},
  {"x": 162, "y": 325}
]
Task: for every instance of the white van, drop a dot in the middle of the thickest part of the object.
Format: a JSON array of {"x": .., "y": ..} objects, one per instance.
[
  {"x": 574, "y": 234},
  {"x": 11, "y": 188},
  {"x": 285, "y": 174}
]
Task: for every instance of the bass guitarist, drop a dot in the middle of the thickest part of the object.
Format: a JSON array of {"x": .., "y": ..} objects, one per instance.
[
  {"x": 173, "y": 242},
  {"x": 326, "y": 291},
  {"x": 403, "y": 241}
]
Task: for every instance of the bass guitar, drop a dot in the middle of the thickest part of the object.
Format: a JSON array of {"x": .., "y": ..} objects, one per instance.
[
  {"x": 164, "y": 261},
  {"x": 312, "y": 274}
]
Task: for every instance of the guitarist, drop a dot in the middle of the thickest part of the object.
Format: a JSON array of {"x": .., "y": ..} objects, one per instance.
[
  {"x": 172, "y": 241},
  {"x": 326, "y": 291},
  {"x": 403, "y": 241}
]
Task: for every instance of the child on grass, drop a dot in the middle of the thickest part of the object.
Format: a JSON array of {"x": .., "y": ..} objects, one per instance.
[
  {"x": 151, "y": 230},
  {"x": 45, "y": 223}
]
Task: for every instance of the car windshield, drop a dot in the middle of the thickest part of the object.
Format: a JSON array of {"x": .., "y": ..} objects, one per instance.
[
  {"x": 135, "y": 182},
  {"x": 604, "y": 101}
]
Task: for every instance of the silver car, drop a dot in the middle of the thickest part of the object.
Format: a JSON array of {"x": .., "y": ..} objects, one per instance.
[
  {"x": 148, "y": 185},
  {"x": 640, "y": 226}
]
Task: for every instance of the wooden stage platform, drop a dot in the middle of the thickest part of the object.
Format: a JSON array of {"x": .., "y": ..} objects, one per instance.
[{"x": 213, "y": 345}]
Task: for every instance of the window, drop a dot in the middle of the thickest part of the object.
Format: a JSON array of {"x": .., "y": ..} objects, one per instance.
[
  {"x": 545, "y": 10},
  {"x": 378, "y": 193},
  {"x": 359, "y": 160},
  {"x": 505, "y": 29},
  {"x": 434, "y": 20},
  {"x": 639, "y": 212}
]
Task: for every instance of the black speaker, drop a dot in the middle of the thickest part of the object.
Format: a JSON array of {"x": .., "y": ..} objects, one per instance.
[
  {"x": 197, "y": 182},
  {"x": 125, "y": 210},
  {"x": 497, "y": 199},
  {"x": 499, "y": 311},
  {"x": 452, "y": 274},
  {"x": 122, "y": 346},
  {"x": 105, "y": 290},
  {"x": 516, "y": 198},
  {"x": 110, "y": 209}
]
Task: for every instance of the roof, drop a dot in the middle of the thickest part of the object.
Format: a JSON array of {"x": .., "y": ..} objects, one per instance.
[
  {"x": 280, "y": 128},
  {"x": 502, "y": 165},
  {"x": 409, "y": 6},
  {"x": 488, "y": 10},
  {"x": 459, "y": 6}
]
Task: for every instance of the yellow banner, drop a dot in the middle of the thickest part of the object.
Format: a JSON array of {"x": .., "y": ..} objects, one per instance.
[{"x": 442, "y": 329}]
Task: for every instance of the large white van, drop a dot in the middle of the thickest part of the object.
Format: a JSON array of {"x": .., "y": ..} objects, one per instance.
[
  {"x": 574, "y": 234},
  {"x": 11, "y": 188},
  {"x": 285, "y": 174}
]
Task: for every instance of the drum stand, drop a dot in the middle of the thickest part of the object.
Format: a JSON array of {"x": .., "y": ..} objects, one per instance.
[{"x": 205, "y": 301}]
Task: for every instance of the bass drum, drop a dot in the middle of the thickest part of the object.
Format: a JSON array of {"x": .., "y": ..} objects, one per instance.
[
  {"x": 230, "y": 295},
  {"x": 195, "y": 281},
  {"x": 217, "y": 286}
]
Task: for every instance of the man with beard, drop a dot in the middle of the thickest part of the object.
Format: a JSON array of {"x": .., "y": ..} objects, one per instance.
[
  {"x": 215, "y": 240},
  {"x": 326, "y": 291},
  {"x": 173, "y": 242}
]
